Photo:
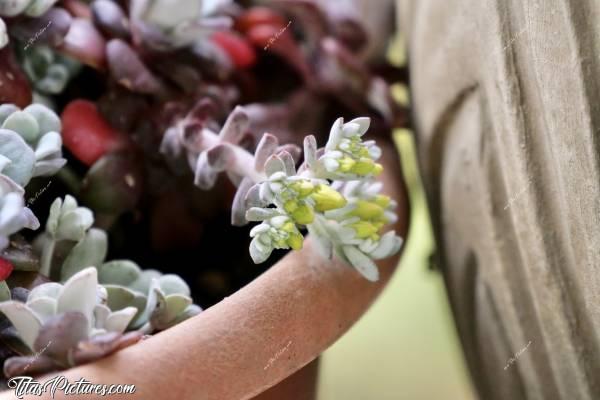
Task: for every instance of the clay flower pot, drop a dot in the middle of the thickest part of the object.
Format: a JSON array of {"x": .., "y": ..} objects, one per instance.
[{"x": 262, "y": 339}]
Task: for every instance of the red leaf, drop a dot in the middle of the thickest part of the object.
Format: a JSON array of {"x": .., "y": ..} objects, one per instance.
[
  {"x": 259, "y": 16},
  {"x": 237, "y": 47},
  {"x": 87, "y": 134},
  {"x": 6, "y": 268},
  {"x": 14, "y": 86}
]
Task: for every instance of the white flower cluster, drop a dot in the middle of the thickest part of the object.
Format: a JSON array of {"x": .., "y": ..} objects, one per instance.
[
  {"x": 352, "y": 232},
  {"x": 345, "y": 156},
  {"x": 334, "y": 195}
]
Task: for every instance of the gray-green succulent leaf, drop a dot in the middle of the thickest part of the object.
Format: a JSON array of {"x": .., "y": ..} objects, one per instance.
[
  {"x": 67, "y": 221},
  {"x": 39, "y": 152},
  {"x": 14, "y": 216},
  {"x": 69, "y": 323},
  {"x": 48, "y": 71},
  {"x": 168, "y": 302},
  {"x": 89, "y": 251},
  {"x": 21, "y": 157}
]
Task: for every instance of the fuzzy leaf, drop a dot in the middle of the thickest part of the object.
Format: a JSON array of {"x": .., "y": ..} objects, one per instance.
[
  {"x": 273, "y": 165},
  {"x": 167, "y": 309},
  {"x": 144, "y": 280},
  {"x": 79, "y": 293},
  {"x": 23, "y": 124},
  {"x": 238, "y": 207},
  {"x": 205, "y": 175},
  {"x": 389, "y": 244},
  {"x": 265, "y": 149},
  {"x": 47, "y": 119},
  {"x": 261, "y": 214},
  {"x": 53, "y": 216},
  {"x": 6, "y": 110},
  {"x": 173, "y": 284},
  {"x": 119, "y": 297},
  {"x": 235, "y": 125},
  {"x": 101, "y": 313},
  {"x": 258, "y": 253},
  {"x": 90, "y": 251},
  {"x": 288, "y": 161},
  {"x": 335, "y": 135},
  {"x": 118, "y": 272},
  {"x": 21, "y": 155},
  {"x": 50, "y": 143},
  {"x": 362, "y": 263},
  {"x": 44, "y": 307},
  {"x": 119, "y": 320},
  {"x": 310, "y": 150},
  {"x": 49, "y": 289},
  {"x": 74, "y": 224},
  {"x": 23, "y": 319}
]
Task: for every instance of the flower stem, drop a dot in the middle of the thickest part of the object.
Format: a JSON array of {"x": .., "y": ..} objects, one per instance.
[{"x": 47, "y": 254}]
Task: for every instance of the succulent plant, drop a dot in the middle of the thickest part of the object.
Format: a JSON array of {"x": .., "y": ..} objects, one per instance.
[
  {"x": 160, "y": 300},
  {"x": 30, "y": 145},
  {"x": 48, "y": 71},
  {"x": 67, "y": 325},
  {"x": 86, "y": 317},
  {"x": 31, "y": 142},
  {"x": 345, "y": 223},
  {"x": 333, "y": 195},
  {"x": 168, "y": 76}
]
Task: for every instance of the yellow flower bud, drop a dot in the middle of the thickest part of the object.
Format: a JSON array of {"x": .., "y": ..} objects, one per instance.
[
  {"x": 290, "y": 206},
  {"x": 367, "y": 210},
  {"x": 303, "y": 187},
  {"x": 346, "y": 164},
  {"x": 303, "y": 214},
  {"x": 364, "y": 152},
  {"x": 327, "y": 198},
  {"x": 379, "y": 224},
  {"x": 382, "y": 200},
  {"x": 363, "y": 167},
  {"x": 364, "y": 229},
  {"x": 289, "y": 227},
  {"x": 377, "y": 169},
  {"x": 295, "y": 241}
]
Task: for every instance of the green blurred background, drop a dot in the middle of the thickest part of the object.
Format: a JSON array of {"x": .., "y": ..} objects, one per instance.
[{"x": 406, "y": 345}]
